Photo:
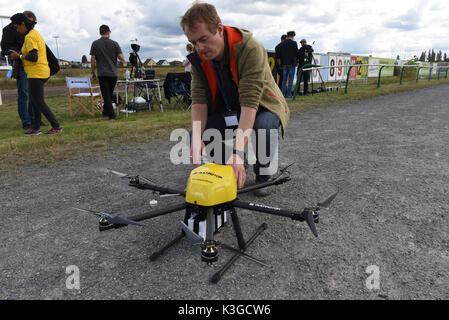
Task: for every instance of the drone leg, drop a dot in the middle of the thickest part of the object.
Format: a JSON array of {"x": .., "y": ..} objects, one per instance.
[
  {"x": 156, "y": 255},
  {"x": 238, "y": 230},
  {"x": 217, "y": 276}
]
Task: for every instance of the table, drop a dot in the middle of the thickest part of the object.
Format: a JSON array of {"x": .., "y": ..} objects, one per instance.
[{"x": 127, "y": 83}]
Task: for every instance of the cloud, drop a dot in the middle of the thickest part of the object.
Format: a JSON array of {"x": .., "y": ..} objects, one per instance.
[{"x": 346, "y": 25}]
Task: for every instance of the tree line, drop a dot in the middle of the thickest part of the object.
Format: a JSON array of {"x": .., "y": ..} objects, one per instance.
[{"x": 431, "y": 56}]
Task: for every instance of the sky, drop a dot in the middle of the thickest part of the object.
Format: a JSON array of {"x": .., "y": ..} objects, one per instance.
[{"x": 378, "y": 28}]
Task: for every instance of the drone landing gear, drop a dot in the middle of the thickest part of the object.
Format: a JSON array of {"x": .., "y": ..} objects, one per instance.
[{"x": 209, "y": 252}]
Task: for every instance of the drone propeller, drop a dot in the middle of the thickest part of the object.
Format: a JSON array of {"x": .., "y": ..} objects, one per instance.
[
  {"x": 192, "y": 237},
  {"x": 110, "y": 219},
  {"x": 125, "y": 175},
  {"x": 311, "y": 222},
  {"x": 311, "y": 214},
  {"x": 326, "y": 203}
]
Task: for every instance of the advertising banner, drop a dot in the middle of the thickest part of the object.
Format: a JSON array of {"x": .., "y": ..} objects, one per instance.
[
  {"x": 340, "y": 74},
  {"x": 324, "y": 72},
  {"x": 373, "y": 70},
  {"x": 353, "y": 74},
  {"x": 347, "y": 62},
  {"x": 362, "y": 71},
  {"x": 316, "y": 73},
  {"x": 332, "y": 71}
]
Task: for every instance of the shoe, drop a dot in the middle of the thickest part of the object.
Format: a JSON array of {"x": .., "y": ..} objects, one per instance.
[
  {"x": 31, "y": 132},
  {"x": 54, "y": 131},
  {"x": 260, "y": 193}
]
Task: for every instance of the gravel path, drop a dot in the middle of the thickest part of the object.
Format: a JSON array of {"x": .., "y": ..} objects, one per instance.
[{"x": 388, "y": 157}]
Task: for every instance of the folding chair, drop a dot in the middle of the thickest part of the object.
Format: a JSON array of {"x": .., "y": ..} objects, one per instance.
[
  {"x": 177, "y": 86},
  {"x": 89, "y": 101}
]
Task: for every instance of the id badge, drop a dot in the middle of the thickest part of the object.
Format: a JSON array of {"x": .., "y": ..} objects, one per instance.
[{"x": 231, "y": 119}]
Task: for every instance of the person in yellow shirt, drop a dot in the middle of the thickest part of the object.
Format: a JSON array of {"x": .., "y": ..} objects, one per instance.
[{"x": 35, "y": 63}]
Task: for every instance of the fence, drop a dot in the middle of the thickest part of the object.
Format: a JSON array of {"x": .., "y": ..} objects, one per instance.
[{"x": 309, "y": 67}]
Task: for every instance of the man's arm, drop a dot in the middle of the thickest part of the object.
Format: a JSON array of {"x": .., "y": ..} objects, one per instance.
[
  {"x": 199, "y": 120},
  {"x": 121, "y": 57},
  {"x": 92, "y": 66}
]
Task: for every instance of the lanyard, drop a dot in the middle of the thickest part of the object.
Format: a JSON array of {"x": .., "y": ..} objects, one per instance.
[{"x": 221, "y": 85}]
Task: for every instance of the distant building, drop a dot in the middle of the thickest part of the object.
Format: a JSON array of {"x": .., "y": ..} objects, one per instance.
[
  {"x": 64, "y": 63},
  {"x": 176, "y": 63},
  {"x": 163, "y": 63},
  {"x": 150, "y": 62}
]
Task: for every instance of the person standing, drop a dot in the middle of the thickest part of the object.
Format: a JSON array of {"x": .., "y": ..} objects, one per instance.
[
  {"x": 277, "y": 58},
  {"x": 187, "y": 64},
  {"x": 232, "y": 89},
  {"x": 104, "y": 54},
  {"x": 35, "y": 63},
  {"x": 288, "y": 61},
  {"x": 13, "y": 40},
  {"x": 305, "y": 56}
]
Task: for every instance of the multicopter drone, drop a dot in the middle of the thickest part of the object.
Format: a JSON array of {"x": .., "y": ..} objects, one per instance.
[{"x": 210, "y": 195}]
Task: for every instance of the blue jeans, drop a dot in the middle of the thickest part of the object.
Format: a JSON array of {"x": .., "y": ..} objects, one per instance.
[
  {"x": 265, "y": 121},
  {"x": 22, "y": 99},
  {"x": 288, "y": 72}
]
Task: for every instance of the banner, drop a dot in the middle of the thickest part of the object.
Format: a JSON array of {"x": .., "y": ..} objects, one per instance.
[
  {"x": 316, "y": 73},
  {"x": 324, "y": 72},
  {"x": 340, "y": 71},
  {"x": 373, "y": 71},
  {"x": 347, "y": 62},
  {"x": 353, "y": 74},
  {"x": 332, "y": 71},
  {"x": 362, "y": 71}
]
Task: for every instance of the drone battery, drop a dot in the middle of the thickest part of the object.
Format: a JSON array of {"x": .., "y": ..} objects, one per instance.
[{"x": 197, "y": 223}]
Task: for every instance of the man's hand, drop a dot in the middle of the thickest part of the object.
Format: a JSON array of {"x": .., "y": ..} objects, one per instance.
[
  {"x": 14, "y": 55},
  {"x": 94, "y": 76},
  {"x": 197, "y": 150},
  {"x": 239, "y": 169}
]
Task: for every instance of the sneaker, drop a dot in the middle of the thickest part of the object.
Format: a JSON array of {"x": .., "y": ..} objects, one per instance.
[
  {"x": 260, "y": 193},
  {"x": 54, "y": 131},
  {"x": 31, "y": 132}
]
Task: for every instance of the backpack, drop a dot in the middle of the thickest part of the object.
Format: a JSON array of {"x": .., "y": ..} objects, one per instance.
[{"x": 53, "y": 62}]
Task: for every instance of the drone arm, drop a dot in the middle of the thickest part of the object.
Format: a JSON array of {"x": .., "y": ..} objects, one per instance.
[
  {"x": 270, "y": 210},
  {"x": 282, "y": 178},
  {"x": 148, "y": 215},
  {"x": 161, "y": 190}
]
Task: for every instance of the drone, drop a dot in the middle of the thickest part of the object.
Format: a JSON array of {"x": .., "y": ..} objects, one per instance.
[{"x": 210, "y": 197}]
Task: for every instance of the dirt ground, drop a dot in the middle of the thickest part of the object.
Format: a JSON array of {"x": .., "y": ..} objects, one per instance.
[{"x": 385, "y": 237}]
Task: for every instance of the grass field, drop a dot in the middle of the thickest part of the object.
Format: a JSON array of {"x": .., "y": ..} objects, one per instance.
[
  {"x": 59, "y": 78},
  {"x": 86, "y": 135}
]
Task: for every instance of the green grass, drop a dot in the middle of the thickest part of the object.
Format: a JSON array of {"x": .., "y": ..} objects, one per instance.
[
  {"x": 59, "y": 78},
  {"x": 85, "y": 135}
]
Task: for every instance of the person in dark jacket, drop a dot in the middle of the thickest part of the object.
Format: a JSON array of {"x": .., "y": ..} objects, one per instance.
[
  {"x": 277, "y": 56},
  {"x": 12, "y": 40},
  {"x": 288, "y": 61},
  {"x": 305, "y": 56}
]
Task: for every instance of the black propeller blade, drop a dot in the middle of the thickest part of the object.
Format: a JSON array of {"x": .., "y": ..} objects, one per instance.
[
  {"x": 193, "y": 238},
  {"x": 125, "y": 175},
  {"x": 112, "y": 220},
  {"x": 326, "y": 203},
  {"x": 310, "y": 221}
]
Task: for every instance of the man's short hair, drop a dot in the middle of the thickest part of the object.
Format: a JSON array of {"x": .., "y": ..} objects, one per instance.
[
  {"x": 30, "y": 15},
  {"x": 283, "y": 37},
  {"x": 104, "y": 29},
  {"x": 201, "y": 12},
  {"x": 291, "y": 34}
]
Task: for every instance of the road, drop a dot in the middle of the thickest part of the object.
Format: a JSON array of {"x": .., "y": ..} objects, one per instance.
[{"x": 385, "y": 237}]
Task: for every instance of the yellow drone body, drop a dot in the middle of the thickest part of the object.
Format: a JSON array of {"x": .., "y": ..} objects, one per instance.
[{"x": 211, "y": 185}]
